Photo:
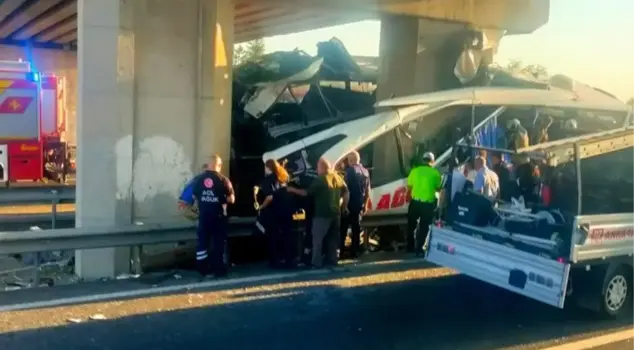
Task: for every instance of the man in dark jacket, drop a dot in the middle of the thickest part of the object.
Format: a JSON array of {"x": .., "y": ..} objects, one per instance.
[
  {"x": 331, "y": 201},
  {"x": 504, "y": 175},
  {"x": 212, "y": 192},
  {"x": 357, "y": 179}
]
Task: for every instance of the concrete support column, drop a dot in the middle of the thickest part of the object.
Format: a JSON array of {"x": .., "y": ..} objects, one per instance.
[
  {"x": 154, "y": 101},
  {"x": 408, "y": 64},
  {"x": 417, "y": 56}
]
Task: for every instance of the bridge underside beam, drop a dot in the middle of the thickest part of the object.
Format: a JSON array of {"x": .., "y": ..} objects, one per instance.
[{"x": 255, "y": 20}]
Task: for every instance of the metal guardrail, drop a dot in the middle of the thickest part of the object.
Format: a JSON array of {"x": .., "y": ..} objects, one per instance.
[
  {"x": 135, "y": 236},
  {"x": 37, "y": 195},
  {"x": 16, "y": 242},
  {"x": 36, "y": 219},
  {"x": 54, "y": 197}
]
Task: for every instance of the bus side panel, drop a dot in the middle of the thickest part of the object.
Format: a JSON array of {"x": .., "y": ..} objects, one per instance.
[{"x": 539, "y": 278}]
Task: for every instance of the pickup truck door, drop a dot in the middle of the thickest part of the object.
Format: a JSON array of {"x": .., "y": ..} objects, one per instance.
[{"x": 527, "y": 274}]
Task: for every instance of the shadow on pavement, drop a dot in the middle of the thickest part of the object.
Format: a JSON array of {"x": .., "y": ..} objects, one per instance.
[
  {"x": 245, "y": 276},
  {"x": 353, "y": 311}
]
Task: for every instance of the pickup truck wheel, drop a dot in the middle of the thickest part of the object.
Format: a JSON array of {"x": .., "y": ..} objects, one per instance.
[{"x": 617, "y": 293}]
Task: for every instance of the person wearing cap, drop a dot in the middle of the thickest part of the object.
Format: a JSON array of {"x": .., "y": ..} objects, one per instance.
[
  {"x": 517, "y": 135},
  {"x": 424, "y": 181}
]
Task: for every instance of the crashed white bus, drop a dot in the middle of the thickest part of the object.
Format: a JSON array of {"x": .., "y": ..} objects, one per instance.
[{"x": 428, "y": 122}]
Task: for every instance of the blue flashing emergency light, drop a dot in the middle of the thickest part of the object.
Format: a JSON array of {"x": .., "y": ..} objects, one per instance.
[{"x": 33, "y": 76}]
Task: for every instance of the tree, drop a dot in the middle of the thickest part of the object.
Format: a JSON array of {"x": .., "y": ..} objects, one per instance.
[
  {"x": 533, "y": 70},
  {"x": 248, "y": 52},
  {"x": 238, "y": 54},
  {"x": 537, "y": 71}
]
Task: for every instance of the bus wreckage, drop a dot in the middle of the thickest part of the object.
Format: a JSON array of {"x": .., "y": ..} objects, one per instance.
[
  {"x": 586, "y": 246},
  {"x": 577, "y": 245}
]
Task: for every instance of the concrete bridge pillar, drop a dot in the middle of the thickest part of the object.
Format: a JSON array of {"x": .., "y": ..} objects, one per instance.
[
  {"x": 417, "y": 56},
  {"x": 154, "y": 101}
]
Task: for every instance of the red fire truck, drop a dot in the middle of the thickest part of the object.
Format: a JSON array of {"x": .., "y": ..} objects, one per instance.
[{"x": 32, "y": 121}]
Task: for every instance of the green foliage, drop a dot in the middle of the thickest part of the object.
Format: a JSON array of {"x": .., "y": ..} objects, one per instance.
[
  {"x": 249, "y": 52},
  {"x": 535, "y": 71}
]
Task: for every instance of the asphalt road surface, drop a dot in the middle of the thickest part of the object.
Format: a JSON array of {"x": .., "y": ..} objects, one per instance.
[{"x": 409, "y": 305}]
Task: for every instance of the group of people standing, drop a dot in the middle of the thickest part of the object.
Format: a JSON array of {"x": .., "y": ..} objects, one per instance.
[
  {"x": 500, "y": 180},
  {"x": 339, "y": 203}
]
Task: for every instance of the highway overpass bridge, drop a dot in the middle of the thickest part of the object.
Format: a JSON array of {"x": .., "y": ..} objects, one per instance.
[
  {"x": 154, "y": 81},
  {"x": 54, "y": 23}
]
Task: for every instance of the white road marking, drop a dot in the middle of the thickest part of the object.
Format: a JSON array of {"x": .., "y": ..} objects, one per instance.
[
  {"x": 186, "y": 287},
  {"x": 595, "y": 342}
]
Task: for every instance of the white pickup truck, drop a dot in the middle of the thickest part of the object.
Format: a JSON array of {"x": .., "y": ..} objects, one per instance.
[{"x": 590, "y": 260}]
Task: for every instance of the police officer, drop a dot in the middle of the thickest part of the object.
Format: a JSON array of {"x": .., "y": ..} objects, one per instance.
[
  {"x": 212, "y": 192},
  {"x": 424, "y": 181}
]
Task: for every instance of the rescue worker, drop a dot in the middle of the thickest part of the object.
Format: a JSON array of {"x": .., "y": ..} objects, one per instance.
[
  {"x": 357, "y": 179},
  {"x": 486, "y": 181},
  {"x": 186, "y": 202},
  {"x": 504, "y": 176},
  {"x": 331, "y": 201},
  {"x": 268, "y": 185},
  {"x": 212, "y": 192},
  {"x": 278, "y": 206},
  {"x": 424, "y": 182},
  {"x": 528, "y": 179},
  {"x": 517, "y": 135},
  {"x": 540, "y": 134}
]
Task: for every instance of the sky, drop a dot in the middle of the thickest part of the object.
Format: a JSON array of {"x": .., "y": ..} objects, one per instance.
[{"x": 589, "y": 40}]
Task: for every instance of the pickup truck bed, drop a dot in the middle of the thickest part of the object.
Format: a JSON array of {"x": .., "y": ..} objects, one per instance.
[
  {"x": 529, "y": 272},
  {"x": 531, "y": 275}
]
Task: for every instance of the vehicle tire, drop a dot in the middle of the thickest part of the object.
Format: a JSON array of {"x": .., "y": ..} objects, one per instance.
[{"x": 616, "y": 294}]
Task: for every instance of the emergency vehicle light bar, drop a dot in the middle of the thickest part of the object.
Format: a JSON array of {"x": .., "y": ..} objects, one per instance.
[{"x": 15, "y": 66}]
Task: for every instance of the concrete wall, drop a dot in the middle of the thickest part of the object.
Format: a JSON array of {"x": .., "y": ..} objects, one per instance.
[
  {"x": 58, "y": 62},
  {"x": 154, "y": 103}
]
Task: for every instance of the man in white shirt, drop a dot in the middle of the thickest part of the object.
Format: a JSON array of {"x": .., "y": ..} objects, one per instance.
[
  {"x": 486, "y": 181},
  {"x": 457, "y": 181}
]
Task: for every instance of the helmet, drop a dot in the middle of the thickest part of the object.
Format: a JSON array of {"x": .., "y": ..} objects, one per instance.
[
  {"x": 513, "y": 124},
  {"x": 570, "y": 124},
  {"x": 428, "y": 156}
]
